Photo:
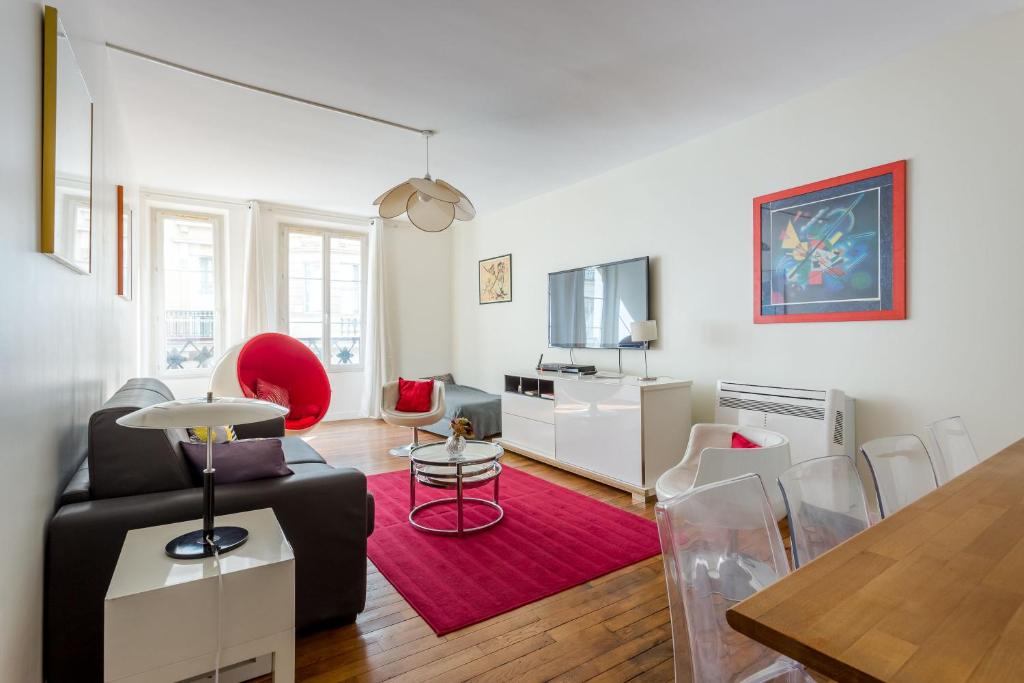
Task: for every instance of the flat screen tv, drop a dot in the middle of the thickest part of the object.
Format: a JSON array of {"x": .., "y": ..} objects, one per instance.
[{"x": 592, "y": 307}]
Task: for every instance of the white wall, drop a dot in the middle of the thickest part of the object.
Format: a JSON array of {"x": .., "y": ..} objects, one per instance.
[
  {"x": 418, "y": 266},
  {"x": 954, "y": 109},
  {"x": 65, "y": 339}
]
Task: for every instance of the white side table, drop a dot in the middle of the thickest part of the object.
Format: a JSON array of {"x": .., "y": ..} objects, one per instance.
[{"x": 160, "y": 614}]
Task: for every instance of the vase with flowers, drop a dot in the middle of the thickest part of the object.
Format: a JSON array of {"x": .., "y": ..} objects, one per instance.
[{"x": 462, "y": 429}]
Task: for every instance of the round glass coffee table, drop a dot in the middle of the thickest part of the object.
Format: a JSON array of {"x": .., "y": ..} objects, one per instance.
[{"x": 431, "y": 465}]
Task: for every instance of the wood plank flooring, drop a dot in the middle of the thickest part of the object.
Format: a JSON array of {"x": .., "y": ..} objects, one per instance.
[{"x": 615, "y": 628}]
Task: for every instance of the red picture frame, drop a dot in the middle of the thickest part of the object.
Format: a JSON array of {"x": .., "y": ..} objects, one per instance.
[{"x": 898, "y": 309}]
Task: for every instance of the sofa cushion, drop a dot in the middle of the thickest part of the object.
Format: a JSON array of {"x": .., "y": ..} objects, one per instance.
[
  {"x": 220, "y": 434},
  {"x": 239, "y": 461},
  {"x": 124, "y": 461}
]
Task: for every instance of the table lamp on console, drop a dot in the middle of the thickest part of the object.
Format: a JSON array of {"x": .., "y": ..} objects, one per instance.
[
  {"x": 644, "y": 331},
  {"x": 210, "y": 412}
]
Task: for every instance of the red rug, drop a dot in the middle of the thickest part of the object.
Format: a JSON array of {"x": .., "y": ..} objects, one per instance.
[{"x": 551, "y": 539}]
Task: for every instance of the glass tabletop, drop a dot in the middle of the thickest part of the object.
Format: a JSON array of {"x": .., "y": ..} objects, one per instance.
[{"x": 437, "y": 454}]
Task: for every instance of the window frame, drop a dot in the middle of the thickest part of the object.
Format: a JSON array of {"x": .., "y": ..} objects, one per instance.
[
  {"x": 220, "y": 271},
  {"x": 325, "y": 233}
]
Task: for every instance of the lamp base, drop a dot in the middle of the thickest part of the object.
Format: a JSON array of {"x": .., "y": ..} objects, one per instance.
[{"x": 190, "y": 546}]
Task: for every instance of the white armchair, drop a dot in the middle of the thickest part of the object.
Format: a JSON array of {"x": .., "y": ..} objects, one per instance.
[
  {"x": 710, "y": 457},
  {"x": 388, "y": 400}
]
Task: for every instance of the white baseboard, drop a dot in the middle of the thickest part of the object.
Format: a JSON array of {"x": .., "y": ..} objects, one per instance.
[{"x": 343, "y": 415}]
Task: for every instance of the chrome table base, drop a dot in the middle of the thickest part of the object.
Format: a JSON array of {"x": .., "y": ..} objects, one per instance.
[
  {"x": 458, "y": 474},
  {"x": 460, "y": 530}
]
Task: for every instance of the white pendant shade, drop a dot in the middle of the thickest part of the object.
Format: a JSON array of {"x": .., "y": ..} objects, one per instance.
[
  {"x": 434, "y": 190},
  {"x": 200, "y": 412},
  {"x": 464, "y": 209},
  {"x": 429, "y": 214},
  {"x": 395, "y": 199},
  {"x": 431, "y": 204}
]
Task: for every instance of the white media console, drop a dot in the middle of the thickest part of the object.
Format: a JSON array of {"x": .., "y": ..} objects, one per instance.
[{"x": 619, "y": 431}]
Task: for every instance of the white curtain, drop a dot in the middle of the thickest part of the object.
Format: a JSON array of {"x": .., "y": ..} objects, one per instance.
[
  {"x": 377, "y": 351},
  {"x": 257, "y": 281}
]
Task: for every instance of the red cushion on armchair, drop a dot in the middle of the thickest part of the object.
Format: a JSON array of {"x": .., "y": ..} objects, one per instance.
[
  {"x": 414, "y": 395},
  {"x": 740, "y": 441},
  {"x": 288, "y": 363}
]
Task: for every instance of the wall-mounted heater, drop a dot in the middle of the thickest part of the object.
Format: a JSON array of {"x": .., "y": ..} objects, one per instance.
[{"x": 818, "y": 422}]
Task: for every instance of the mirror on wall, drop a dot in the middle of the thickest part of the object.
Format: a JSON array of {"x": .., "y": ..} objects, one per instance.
[{"x": 67, "y": 151}]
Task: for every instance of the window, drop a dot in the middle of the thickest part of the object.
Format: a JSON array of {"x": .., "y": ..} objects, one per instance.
[
  {"x": 324, "y": 308},
  {"x": 188, "y": 262}
]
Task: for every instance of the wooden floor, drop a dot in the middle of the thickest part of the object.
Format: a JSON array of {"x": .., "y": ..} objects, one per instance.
[{"x": 615, "y": 628}]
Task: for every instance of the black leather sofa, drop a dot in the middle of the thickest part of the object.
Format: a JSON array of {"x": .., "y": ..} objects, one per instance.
[{"x": 133, "y": 478}]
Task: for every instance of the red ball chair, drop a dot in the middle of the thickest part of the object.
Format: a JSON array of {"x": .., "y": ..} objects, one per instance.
[{"x": 288, "y": 363}]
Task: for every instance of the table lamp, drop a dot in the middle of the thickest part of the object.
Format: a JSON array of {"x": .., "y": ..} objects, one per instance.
[
  {"x": 209, "y": 412},
  {"x": 644, "y": 331}
]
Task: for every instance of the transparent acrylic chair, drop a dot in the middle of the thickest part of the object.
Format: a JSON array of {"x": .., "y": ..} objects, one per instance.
[
  {"x": 825, "y": 504},
  {"x": 901, "y": 469},
  {"x": 956, "y": 452},
  {"x": 721, "y": 544}
]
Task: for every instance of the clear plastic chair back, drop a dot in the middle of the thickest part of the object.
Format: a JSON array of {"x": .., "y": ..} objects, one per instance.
[
  {"x": 901, "y": 469},
  {"x": 825, "y": 504},
  {"x": 721, "y": 544},
  {"x": 956, "y": 452}
]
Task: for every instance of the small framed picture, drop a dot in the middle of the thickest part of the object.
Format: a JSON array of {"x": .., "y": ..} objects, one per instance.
[
  {"x": 834, "y": 250},
  {"x": 495, "y": 279}
]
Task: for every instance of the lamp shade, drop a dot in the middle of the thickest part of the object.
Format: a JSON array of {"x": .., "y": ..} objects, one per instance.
[
  {"x": 431, "y": 205},
  {"x": 195, "y": 412},
  {"x": 643, "y": 330}
]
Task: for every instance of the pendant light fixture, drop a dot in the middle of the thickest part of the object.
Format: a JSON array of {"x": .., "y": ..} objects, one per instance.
[{"x": 431, "y": 204}]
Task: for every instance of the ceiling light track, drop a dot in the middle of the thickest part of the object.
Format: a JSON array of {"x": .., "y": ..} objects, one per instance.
[
  {"x": 431, "y": 205},
  {"x": 265, "y": 91}
]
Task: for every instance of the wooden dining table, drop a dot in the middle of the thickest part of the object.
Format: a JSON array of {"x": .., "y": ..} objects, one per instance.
[{"x": 932, "y": 593}]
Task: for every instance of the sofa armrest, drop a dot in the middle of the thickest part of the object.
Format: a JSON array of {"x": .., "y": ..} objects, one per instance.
[
  {"x": 266, "y": 429},
  {"x": 322, "y": 510}
]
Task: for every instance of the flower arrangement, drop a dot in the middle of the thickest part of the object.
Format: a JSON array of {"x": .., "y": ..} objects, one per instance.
[
  {"x": 461, "y": 426},
  {"x": 462, "y": 429}
]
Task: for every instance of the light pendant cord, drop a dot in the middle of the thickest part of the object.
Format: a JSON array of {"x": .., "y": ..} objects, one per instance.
[{"x": 426, "y": 143}]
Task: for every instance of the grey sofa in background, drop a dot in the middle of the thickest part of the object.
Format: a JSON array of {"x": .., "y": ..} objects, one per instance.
[
  {"x": 482, "y": 409},
  {"x": 134, "y": 478}
]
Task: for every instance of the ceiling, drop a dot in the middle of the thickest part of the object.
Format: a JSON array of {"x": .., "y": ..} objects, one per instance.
[{"x": 527, "y": 96}]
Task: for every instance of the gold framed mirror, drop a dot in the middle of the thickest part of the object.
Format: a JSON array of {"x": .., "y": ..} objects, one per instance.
[
  {"x": 124, "y": 246},
  {"x": 66, "y": 219}
]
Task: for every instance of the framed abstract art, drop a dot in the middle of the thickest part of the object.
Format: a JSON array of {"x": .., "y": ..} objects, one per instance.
[
  {"x": 834, "y": 250},
  {"x": 495, "y": 279}
]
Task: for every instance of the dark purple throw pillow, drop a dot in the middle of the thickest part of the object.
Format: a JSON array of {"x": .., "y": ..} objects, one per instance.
[{"x": 239, "y": 460}]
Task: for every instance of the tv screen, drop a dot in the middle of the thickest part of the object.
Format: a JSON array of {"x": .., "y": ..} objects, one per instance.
[{"x": 593, "y": 307}]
